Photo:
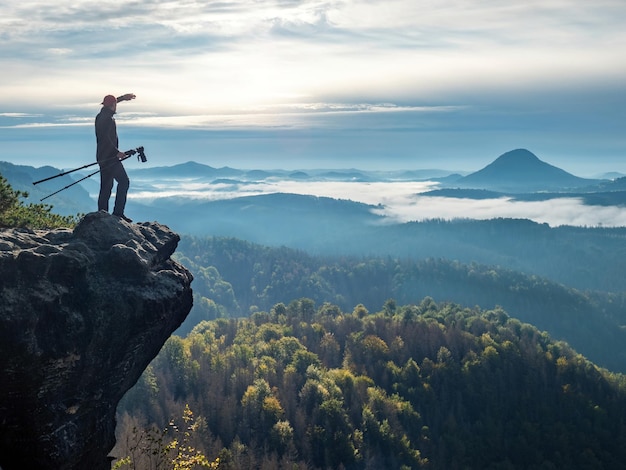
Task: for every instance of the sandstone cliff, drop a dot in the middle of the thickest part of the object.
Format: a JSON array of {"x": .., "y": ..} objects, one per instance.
[{"x": 82, "y": 313}]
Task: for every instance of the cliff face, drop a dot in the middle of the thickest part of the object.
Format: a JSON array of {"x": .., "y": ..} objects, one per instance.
[{"x": 82, "y": 313}]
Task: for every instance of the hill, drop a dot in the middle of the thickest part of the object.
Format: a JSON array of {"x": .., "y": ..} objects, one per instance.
[
  {"x": 585, "y": 258},
  {"x": 233, "y": 277},
  {"x": 186, "y": 170},
  {"x": 430, "y": 385},
  {"x": 521, "y": 170},
  {"x": 71, "y": 201},
  {"x": 194, "y": 170},
  {"x": 290, "y": 219}
]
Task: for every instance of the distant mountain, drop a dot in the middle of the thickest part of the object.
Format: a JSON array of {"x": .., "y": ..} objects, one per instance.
[
  {"x": 278, "y": 218},
  {"x": 226, "y": 181},
  {"x": 75, "y": 199},
  {"x": 606, "y": 197},
  {"x": 350, "y": 175},
  {"x": 184, "y": 170},
  {"x": 258, "y": 174},
  {"x": 612, "y": 175},
  {"x": 299, "y": 175},
  {"x": 521, "y": 171},
  {"x": 618, "y": 184},
  {"x": 194, "y": 170},
  {"x": 476, "y": 194},
  {"x": 448, "y": 180},
  {"x": 429, "y": 174}
]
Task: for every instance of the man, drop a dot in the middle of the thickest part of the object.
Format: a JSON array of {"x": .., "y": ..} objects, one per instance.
[{"x": 109, "y": 157}]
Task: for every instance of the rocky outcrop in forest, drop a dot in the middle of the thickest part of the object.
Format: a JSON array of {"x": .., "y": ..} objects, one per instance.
[{"x": 82, "y": 313}]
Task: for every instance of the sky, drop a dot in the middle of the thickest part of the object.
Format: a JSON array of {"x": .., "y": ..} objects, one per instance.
[{"x": 393, "y": 84}]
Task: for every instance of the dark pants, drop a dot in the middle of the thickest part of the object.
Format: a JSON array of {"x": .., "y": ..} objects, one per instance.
[{"x": 110, "y": 171}]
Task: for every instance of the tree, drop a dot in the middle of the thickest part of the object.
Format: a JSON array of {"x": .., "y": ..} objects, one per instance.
[
  {"x": 281, "y": 436},
  {"x": 261, "y": 410},
  {"x": 449, "y": 387},
  {"x": 9, "y": 198},
  {"x": 170, "y": 448},
  {"x": 13, "y": 213}
]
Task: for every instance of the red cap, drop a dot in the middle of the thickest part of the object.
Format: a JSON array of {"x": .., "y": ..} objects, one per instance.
[{"x": 109, "y": 100}]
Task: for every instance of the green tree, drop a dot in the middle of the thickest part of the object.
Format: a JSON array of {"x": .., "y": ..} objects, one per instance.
[
  {"x": 13, "y": 213},
  {"x": 261, "y": 410}
]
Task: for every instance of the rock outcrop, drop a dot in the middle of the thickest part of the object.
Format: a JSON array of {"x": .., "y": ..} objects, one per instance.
[{"x": 82, "y": 313}]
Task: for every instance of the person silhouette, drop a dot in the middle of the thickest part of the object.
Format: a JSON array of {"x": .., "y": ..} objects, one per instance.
[{"x": 109, "y": 157}]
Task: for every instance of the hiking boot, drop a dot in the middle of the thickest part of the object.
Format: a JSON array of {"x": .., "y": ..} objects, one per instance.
[{"x": 123, "y": 217}]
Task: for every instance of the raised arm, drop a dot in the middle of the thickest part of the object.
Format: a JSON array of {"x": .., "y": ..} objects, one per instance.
[{"x": 126, "y": 97}]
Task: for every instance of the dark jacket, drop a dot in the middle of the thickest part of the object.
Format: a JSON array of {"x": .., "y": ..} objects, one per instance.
[{"x": 106, "y": 135}]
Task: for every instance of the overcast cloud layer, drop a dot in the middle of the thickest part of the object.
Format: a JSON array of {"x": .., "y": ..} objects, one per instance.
[{"x": 296, "y": 84}]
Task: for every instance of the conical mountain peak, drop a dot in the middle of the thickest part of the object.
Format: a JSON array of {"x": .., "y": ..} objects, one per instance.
[{"x": 521, "y": 170}]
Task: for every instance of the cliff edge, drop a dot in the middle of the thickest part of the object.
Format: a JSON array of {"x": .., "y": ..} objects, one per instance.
[{"x": 82, "y": 313}]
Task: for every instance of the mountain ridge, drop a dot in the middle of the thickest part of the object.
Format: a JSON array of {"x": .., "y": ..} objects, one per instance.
[
  {"x": 520, "y": 169},
  {"x": 69, "y": 202}
]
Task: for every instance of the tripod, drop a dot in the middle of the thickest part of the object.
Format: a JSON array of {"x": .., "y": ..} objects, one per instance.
[{"x": 109, "y": 162}]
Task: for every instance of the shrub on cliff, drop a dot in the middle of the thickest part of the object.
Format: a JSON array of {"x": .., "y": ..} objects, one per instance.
[{"x": 14, "y": 213}]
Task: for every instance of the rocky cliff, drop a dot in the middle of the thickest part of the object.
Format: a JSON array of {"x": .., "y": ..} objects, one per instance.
[{"x": 82, "y": 313}]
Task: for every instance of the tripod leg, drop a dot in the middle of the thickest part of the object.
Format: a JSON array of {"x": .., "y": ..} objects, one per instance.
[
  {"x": 110, "y": 162},
  {"x": 69, "y": 185}
]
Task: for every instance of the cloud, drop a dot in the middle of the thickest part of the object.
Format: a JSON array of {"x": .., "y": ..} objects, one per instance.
[
  {"x": 18, "y": 115},
  {"x": 393, "y": 48},
  {"x": 287, "y": 116},
  {"x": 401, "y": 202},
  {"x": 554, "y": 212},
  {"x": 455, "y": 79}
]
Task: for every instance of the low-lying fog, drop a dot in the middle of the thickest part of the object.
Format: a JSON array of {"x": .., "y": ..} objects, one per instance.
[{"x": 398, "y": 201}]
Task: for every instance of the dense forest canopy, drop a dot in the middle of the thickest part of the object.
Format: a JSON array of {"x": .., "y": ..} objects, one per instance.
[
  {"x": 235, "y": 277},
  {"x": 429, "y": 385}
]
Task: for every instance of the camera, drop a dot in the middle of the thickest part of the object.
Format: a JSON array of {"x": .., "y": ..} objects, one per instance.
[{"x": 142, "y": 156}]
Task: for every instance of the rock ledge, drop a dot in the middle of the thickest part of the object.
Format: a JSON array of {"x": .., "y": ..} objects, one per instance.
[{"x": 82, "y": 313}]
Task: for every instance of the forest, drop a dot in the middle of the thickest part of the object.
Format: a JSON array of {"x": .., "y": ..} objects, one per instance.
[
  {"x": 233, "y": 278},
  {"x": 428, "y": 385},
  {"x": 588, "y": 258}
]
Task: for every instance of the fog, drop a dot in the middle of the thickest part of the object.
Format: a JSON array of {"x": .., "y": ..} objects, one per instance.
[{"x": 397, "y": 201}]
